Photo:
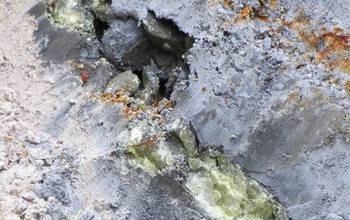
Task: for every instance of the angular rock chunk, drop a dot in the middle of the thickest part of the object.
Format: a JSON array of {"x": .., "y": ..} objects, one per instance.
[
  {"x": 126, "y": 81},
  {"x": 102, "y": 10},
  {"x": 71, "y": 15},
  {"x": 187, "y": 136},
  {"x": 165, "y": 35},
  {"x": 122, "y": 38},
  {"x": 151, "y": 82}
]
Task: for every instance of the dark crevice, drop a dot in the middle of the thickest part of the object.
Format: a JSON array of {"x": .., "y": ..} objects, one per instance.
[
  {"x": 157, "y": 43},
  {"x": 140, "y": 76},
  {"x": 180, "y": 42},
  {"x": 163, "y": 91},
  {"x": 100, "y": 27},
  {"x": 130, "y": 46}
]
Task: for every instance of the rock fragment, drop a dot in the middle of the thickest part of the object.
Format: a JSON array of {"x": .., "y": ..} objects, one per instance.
[
  {"x": 151, "y": 82},
  {"x": 102, "y": 10},
  {"x": 28, "y": 196},
  {"x": 226, "y": 193},
  {"x": 122, "y": 39},
  {"x": 186, "y": 135},
  {"x": 126, "y": 81},
  {"x": 71, "y": 15}
]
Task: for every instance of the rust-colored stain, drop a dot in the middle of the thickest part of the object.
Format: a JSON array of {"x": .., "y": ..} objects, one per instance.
[
  {"x": 335, "y": 43},
  {"x": 332, "y": 47},
  {"x": 75, "y": 65},
  {"x": 117, "y": 97},
  {"x": 262, "y": 17},
  {"x": 273, "y": 4},
  {"x": 244, "y": 14},
  {"x": 343, "y": 64},
  {"x": 294, "y": 97},
  {"x": 228, "y": 3},
  {"x": 347, "y": 85},
  {"x": 225, "y": 3},
  {"x": 309, "y": 38},
  {"x": 8, "y": 138},
  {"x": 148, "y": 142},
  {"x": 249, "y": 13},
  {"x": 166, "y": 104},
  {"x": 84, "y": 76},
  {"x": 131, "y": 110}
]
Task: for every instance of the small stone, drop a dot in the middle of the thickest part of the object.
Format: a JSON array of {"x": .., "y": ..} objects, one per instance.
[
  {"x": 242, "y": 52},
  {"x": 21, "y": 174},
  {"x": 151, "y": 82},
  {"x": 29, "y": 196},
  {"x": 126, "y": 81},
  {"x": 136, "y": 135},
  {"x": 3, "y": 165},
  {"x": 72, "y": 16},
  {"x": 121, "y": 39},
  {"x": 90, "y": 215},
  {"x": 267, "y": 43},
  {"x": 102, "y": 10},
  {"x": 33, "y": 138},
  {"x": 21, "y": 207},
  {"x": 233, "y": 136},
  {"x": 186, "y": 135},
  {"x": 347, "y": 138},
  {"x": 84, "y": 76}
]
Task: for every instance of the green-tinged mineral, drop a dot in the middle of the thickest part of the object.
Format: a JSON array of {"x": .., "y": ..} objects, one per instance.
[
  {"x": 186, "y": 135},
  {"x": 126, "y": 81},
  {"x": 219, "y": 186},
  {"x": 73, "y": 16},
  {"x": 225, "y": 192},
  {"x": 148, "y": 152},
  {"x": 102, "y": 10},
  {"x": 150, "y": 160}
]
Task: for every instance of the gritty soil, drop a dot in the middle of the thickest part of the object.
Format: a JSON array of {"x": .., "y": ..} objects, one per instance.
[
  {"x": 25, "y": 105},
  {"x": 24, "y": 102}
]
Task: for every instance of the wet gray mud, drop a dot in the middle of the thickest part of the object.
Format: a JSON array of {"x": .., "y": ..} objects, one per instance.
[{"x": 199, "y": 109}]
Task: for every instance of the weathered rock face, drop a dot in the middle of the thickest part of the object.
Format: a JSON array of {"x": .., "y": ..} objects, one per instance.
[
  {"x": 72, "y": 15},
  {"x": 256, "y": 90},
  {"x": 278, "y": 143},
  {"x": 122, "y": 38}
]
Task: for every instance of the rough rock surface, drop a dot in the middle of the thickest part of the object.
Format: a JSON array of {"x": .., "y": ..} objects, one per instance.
[
  {"x": 126, "y": 81},
  {"x": 122, "y": 38},
  {"x": 256, "y": 124}
]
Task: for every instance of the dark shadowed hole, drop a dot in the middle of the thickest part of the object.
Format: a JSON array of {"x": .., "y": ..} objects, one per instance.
[
  {"x": 100, "y": 27},
  {"x": 140, "y": 76},
  {"x": 180, "y": 48},
  {"x": 162, "y": 89},
  {"x": 158, "y": 46}
]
